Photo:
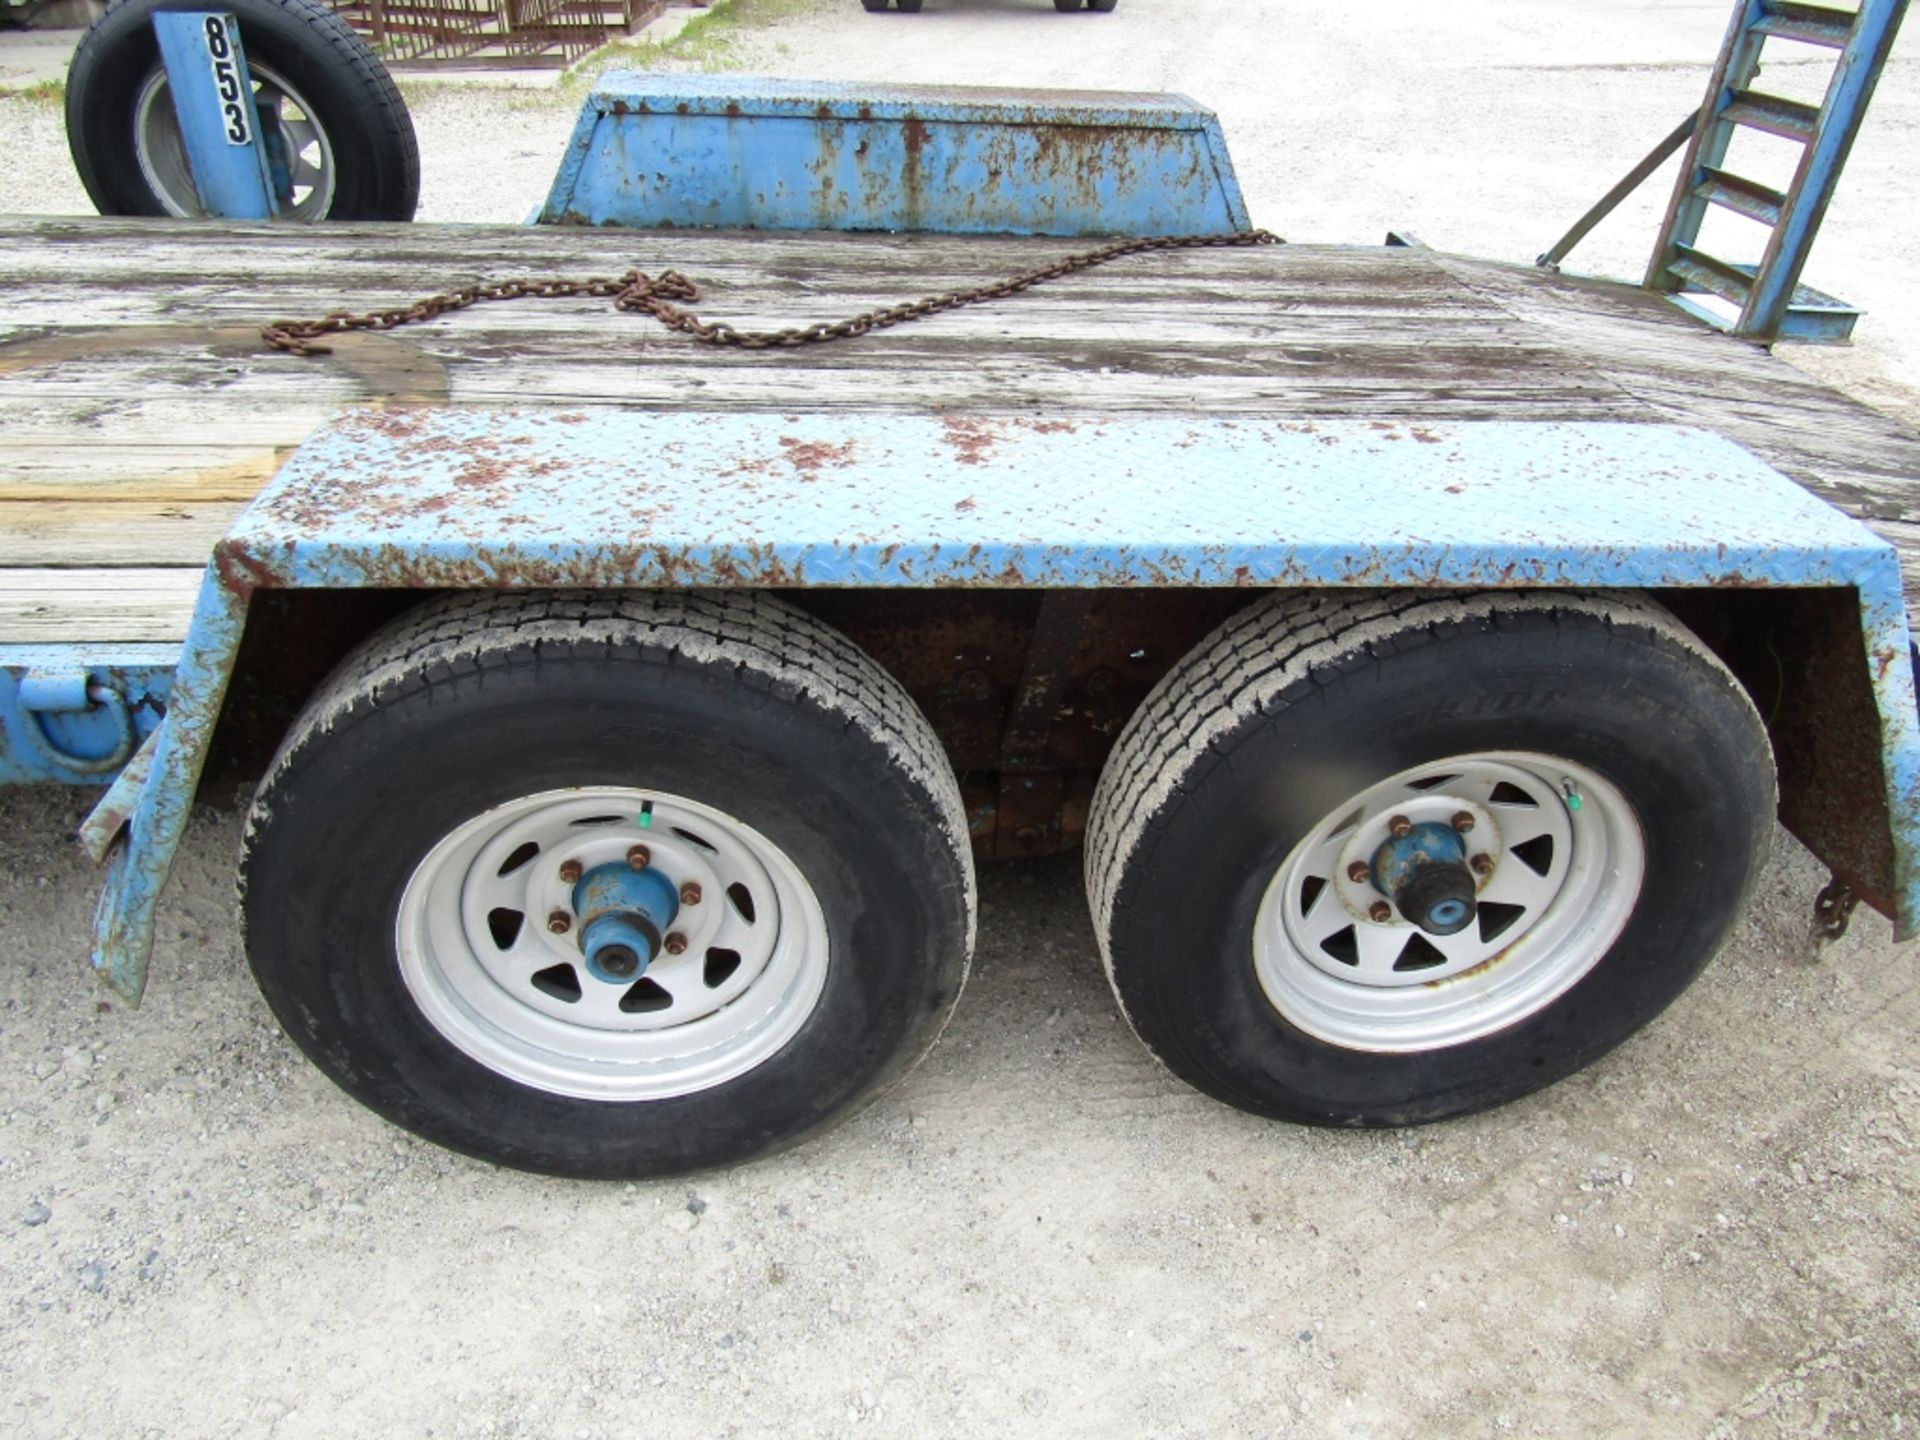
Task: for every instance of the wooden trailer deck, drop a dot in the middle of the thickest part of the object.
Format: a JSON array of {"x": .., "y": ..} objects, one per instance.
[{"x": 139, "y": 409}]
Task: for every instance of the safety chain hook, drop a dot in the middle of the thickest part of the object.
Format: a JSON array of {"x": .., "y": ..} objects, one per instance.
[{"x": 640, "y": 293}]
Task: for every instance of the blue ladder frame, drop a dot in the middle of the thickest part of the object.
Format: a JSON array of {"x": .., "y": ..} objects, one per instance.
[{"x": 1771, "y": 302}]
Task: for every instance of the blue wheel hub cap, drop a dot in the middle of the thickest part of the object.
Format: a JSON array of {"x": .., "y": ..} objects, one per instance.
[
  {"x": 623, "y": 915},
  {"x": 1425, "y": 874}
]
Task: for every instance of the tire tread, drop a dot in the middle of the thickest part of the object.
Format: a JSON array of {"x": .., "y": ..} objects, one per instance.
[
  {"x": 770, "y": 646},
  {"x": 1278, "y": 655}
]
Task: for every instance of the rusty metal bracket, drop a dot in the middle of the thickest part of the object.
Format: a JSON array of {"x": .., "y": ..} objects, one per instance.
[
  {"x": 1059, "y": 631},
  {"x": 1833, "y": 911}
]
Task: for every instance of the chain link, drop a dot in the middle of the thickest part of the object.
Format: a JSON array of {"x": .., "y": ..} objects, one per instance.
[{"x": 639, "y": 293}]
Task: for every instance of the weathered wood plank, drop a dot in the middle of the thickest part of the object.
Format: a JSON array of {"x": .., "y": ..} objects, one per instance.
[
  {"x": 63, "y": 534},
  {"x": 138, "y": 406},
  {"x": 78, "y": 606}
]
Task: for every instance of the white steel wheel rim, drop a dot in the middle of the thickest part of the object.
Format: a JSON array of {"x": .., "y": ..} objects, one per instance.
[
  {"x": 517, "y": 997},
  {"x": 1567, "y": 860},
  {"x": 163, "y": 157}
]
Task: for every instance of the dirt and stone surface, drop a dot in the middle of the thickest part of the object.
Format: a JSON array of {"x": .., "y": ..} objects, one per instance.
[{"x": 1712, "y": 1233}]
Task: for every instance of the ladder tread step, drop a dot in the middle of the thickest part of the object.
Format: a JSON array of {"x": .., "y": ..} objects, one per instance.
[
  {"x": 1739, "y": 194},
  {"x": 1810, "y": 24},
  {"x": 1777, "y": 116},
  {"x": 1713, "y": 275}
]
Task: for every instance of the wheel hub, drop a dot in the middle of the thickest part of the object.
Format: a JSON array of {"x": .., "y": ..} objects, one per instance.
[
  {"x": 1423, "y": 870},
  {"x": 623, "y": 915},
  {"x": 611, "y": 943},
  {"x": 1448, "y": 901}
]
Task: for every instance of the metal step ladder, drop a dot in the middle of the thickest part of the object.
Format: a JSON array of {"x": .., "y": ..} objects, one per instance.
[
  {"x": 1768, "y": 295},
  {"x": 1770, "y": 301}
]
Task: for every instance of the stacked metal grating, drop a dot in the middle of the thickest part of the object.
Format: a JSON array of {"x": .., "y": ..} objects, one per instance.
[{"x": 493, "y": 34}]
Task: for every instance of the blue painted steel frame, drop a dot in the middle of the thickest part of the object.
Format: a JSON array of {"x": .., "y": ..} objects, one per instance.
[
  {"x": 465, "y": 499},
  {"x": 219, "y": 122},
  {"x": 655, "y": 151},
  {"x": 78, "y": 745}
]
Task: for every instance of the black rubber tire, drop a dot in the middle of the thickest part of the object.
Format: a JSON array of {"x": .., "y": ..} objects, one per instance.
[
  {"x": 1067, "y": 6},
  {"x": 376, "y": 157},
  {"x": 874, "y": 7},
  {"x": 1102, "y": 5},
  {"x": 739, "y": 701},
  {"x": 908, "y": 7},
  {"x": 1298, "y": 704}
]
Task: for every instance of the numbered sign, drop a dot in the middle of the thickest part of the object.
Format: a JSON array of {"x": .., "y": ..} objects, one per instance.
[{"x": 219, "y": 123}]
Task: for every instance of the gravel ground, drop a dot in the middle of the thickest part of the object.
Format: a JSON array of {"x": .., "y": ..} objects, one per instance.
[{"x": 1712, "y": 1233}]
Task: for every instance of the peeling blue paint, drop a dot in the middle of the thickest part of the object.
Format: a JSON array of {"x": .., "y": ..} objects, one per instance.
[
  {"x": 658, "y": 151},
  {"x": 136, "y": 828}
]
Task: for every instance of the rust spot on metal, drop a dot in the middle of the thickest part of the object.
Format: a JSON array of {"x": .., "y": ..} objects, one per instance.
[
  {"x": 1482, "y": 968},
  {"x": 1802, "y": 658},
  {"x": 242, "y": 572},
  {"x": 809, "y": 457},
  {"x": 972, "y": 440}
]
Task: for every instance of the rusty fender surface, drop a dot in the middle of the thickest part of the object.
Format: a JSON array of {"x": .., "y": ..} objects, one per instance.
[
  {"x": 674, "y": 151},
  {"x": 463, "y": 499}
]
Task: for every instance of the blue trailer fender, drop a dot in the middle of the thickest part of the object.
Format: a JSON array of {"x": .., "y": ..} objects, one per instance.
[{"x": 455, "y": 499}]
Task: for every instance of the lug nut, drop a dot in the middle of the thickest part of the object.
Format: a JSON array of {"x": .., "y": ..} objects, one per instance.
[
  {"x": 690, "y": 893},
  {"x": 1359, "y": 872},
  {"x": 639, "y": 857},
  {"x": 1463, "y": 822},
  {"x": 569, "y": 870},
  {"x": 559, "y": 922},
  {"x": 1380, "y": 912},
  {"x": 676, "y": 943},
  {"x": 1482, "y": 864},
  {"x": 1398, "y": 826}
]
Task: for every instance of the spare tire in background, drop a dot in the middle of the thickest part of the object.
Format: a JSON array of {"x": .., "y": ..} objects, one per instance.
[{"x": 348, "y": 139}]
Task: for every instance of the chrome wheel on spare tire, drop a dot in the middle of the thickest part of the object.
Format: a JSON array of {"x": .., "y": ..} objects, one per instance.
[
  {"x": 298, "y": 147},
  {"x": 1381, "y": 859},
  {"x": 339, "y": 139},
  {"x": 610, "y": 885}
]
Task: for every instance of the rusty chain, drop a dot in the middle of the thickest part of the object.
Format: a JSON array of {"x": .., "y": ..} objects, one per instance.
[{"x": 640, "y": 293}]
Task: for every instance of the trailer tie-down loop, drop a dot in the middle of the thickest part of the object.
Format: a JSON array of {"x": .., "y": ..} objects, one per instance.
[{"x": 640, "y": 293}]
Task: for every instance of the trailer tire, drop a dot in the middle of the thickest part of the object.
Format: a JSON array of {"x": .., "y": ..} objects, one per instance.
[
  {"x": 1617, "y": 791},
  {"x": 345, "y": 129},
  {"x": 405, "y": 877}
]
